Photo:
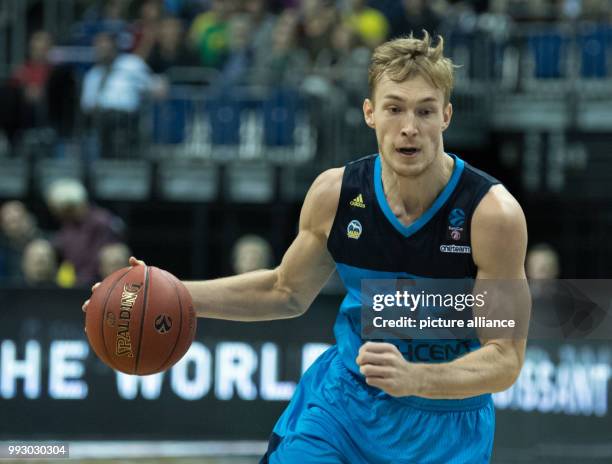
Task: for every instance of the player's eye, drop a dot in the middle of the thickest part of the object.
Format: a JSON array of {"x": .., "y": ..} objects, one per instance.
[
  {"x": 425, "y": 112},
  {"x": 394, "y": 109}
]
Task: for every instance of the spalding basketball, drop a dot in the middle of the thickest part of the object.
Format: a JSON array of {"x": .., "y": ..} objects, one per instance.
[{"x": 140, "y": 320}]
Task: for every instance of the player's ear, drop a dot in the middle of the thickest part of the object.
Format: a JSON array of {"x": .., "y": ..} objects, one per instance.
[
  {"x": 368, "y": 112},
  {"x": 447, "y": 115}
]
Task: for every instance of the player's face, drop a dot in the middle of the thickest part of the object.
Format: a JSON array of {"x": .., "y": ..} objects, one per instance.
[{"x": 409, "y": 118}]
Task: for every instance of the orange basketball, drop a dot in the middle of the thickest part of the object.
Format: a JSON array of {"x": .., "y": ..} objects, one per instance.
[{"x": 140, "y": 320}]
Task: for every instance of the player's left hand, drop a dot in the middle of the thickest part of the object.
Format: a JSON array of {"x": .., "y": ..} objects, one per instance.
[{"x": 384, "y": 367}]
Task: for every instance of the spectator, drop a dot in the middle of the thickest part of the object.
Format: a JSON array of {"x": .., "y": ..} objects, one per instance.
[
  {"x": 170, "y": 49},
  {"x": 493, "y": 54},
  {"x": 18, "y": 228},
  {"x": 250, "y": 253},
  {"x": 496, "y": 21},
  {"x": 262, "y": 26},
  {"x": 85, "y": 229},
  {"x": 107, "y": 16},
  {"x": 39, "y": 264},
  {"x": 286, "y": 4},
  {"x": 370, "y": 25},
  {"x": 552, "y": 305},
  {"x": 32, "y": 77},
  {"x": 542, "y": 262},
  {"x": 186, "y": 10},
  {"x": 23, "y": 93},
  {"x": 240, "y": 58},
  {"x": 63, "y": 100},
  {"x": 318, "y": 21},
  {"x": 344, "y": 58},
  {"x": 12, "y": 112},
  {"x": 145, "y": 29},
  {"x": 112, "y": 257},
  {"x": 113, "y": 91},
  {"x": 209, "y": 33},
  {"x": 532, "y": 10},
  {"x": 416, "y": 15},
  {"x": 285, "y": 63}
]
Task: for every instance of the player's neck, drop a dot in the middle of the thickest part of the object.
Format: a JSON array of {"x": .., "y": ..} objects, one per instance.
[{"x": 410, "y": 197}]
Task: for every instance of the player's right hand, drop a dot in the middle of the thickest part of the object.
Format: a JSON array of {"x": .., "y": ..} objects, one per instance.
[{"x": 132, "y": 262}]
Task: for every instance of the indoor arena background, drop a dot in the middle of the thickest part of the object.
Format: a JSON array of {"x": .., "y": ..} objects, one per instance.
[{"x": 200, "y": 164}]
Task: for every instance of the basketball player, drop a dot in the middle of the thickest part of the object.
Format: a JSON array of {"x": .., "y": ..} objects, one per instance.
[{"x": 388, "y": 216}]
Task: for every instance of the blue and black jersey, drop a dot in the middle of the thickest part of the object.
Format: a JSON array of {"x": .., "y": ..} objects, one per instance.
[
  {"x": 333, "y": 415},
  {"x": 367, "y": 241}
]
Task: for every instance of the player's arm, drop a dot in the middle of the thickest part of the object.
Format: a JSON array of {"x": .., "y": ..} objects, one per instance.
[
  {"x": 499, "y": 241},
  {"x": 288, "y": 290}
]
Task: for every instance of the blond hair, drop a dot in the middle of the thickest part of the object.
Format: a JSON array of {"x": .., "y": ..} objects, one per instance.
[{"x": 408, "y": 57}]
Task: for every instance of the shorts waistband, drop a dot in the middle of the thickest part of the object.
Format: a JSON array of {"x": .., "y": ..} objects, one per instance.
[{"x": 466, "y": 404}]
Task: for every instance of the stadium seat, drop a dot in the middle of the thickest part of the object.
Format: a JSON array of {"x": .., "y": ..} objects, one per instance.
[
  {"x": 280, "y": 114},
  {"x": 46, "y": 171},
  {"x": 250, "y": 182},
  {"x": 121, "y": 179},
  {"x": 170, "y": 120},
  {"x": 223, "y": 112},
  {"x": 549, "y": 48},
  {"x": 188, "y": 181},
  {"x": 14, "y": 177},
  {"x": 594, "y": 44}
]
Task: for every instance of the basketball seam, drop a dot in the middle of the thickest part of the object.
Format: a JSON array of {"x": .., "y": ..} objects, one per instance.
[
  {"x": 178, "y": 337},
  {"x": 144, "y": 310},
  {"x": 108, "y": 356}
]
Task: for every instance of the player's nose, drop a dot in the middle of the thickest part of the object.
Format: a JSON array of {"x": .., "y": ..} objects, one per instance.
[{"x": 409, "y": 128}]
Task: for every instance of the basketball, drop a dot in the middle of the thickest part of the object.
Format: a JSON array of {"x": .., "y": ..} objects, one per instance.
[{"x": 140, "y": 320}]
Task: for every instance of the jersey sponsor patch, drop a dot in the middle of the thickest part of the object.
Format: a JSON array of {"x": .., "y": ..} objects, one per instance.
[
  {"x": 357, "y": 202},
  {"x": 462, "y": 249},
  {"x": 354, "y": 229}
]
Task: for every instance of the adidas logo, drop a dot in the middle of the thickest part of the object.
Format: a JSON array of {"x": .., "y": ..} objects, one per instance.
[{"x": 358, "y": 202}]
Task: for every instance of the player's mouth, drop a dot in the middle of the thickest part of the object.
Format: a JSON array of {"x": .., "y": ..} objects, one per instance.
[{"x": 408, "y": 151}]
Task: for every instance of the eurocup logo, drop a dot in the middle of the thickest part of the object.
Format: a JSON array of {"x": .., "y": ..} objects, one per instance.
[
  {"x": 354, "y": 229},
  {"x": 457, "y": 217}
]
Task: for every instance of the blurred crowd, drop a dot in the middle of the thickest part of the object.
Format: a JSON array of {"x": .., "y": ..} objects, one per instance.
[
  {"x": 140, "y": 48},
  {"x": 95, "y": 77},
  {"x": 87, "y": 246}
]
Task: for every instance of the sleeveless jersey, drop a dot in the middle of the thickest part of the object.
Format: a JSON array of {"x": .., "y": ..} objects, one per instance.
[{"x": 367, "y": 241}]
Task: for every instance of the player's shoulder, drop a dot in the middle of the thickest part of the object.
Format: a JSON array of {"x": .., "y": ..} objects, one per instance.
[
  {"x": 328, "y": 183},
  {"x": 478, "y": 175},
  {"x": 499, "y": 234},
  {"x": 323, "y": 196},
  {"x": 498, "y": 208},
  {"x": 499, "y": 229}
]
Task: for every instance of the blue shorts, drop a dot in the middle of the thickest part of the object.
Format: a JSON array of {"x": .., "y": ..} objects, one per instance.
[{"x": 335, "y": 417}]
